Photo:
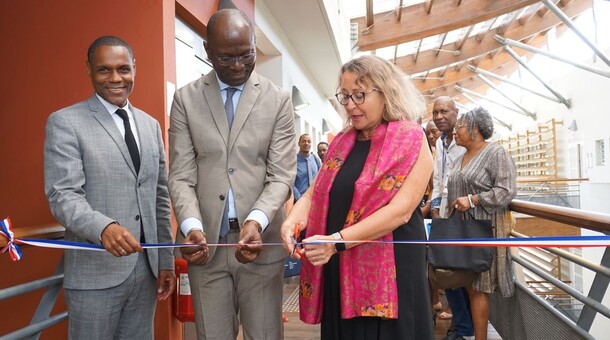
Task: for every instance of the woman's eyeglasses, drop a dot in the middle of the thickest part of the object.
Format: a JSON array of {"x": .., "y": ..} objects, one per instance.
[
  {"x": 356, "y": 97},
  {"x": 457, "y": 127}
]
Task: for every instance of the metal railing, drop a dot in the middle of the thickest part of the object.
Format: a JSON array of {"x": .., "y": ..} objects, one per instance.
[
  {"x": 527, "y": 315},
  {"x": 555, "y": 191},
  {"x": 42, "y": 318},
  {"x": 571, "y": 315}
]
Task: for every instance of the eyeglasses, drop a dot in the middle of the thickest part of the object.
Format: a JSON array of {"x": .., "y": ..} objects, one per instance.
[
  {"x": 357, "y": 97},
  {"x": 457, "y": 127},
  {"x": 224, "y": 60}
]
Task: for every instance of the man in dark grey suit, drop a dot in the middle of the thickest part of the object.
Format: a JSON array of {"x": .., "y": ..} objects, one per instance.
[
  {"x": 232, "y": 167},
  {"x": 106, "y": 182}
]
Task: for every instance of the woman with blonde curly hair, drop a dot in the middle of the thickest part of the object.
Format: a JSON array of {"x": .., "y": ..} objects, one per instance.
[{"x": 369, "y": 188}]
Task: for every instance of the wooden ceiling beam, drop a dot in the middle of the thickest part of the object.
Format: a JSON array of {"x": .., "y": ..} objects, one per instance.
[
  {"x": 513, "y": 17},
  {"x": 428, "y": 5},
  {"x": 370, "y": 17},
  {"x": 473, "y": 48},
  {"x": 419, "y": 24},
  {"x": 440, "y": 46},
  {"x": 453, "y": 76},
  {"x": 459, "y": 44},
  {"x": 481, "y": 35},
  {"x": 398, "y": 11},
  {"x": 526, "y": 18}
]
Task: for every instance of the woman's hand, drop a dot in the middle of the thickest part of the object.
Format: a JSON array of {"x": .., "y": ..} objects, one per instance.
[
  {"x": 461, "y": 204},
  {"x": 316, "y": 253},
  {"x": 290, "y": 235}
]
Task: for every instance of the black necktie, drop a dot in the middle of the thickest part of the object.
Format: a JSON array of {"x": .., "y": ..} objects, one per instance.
[{"x": 130, "y": 139}]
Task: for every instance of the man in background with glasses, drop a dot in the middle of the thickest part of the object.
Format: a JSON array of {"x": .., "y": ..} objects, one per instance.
[
  {"x": 447, "y": 158},
  {"x": 232, "y": 166}
]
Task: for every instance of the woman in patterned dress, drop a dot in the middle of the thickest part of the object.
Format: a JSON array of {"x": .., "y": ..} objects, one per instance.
[{"x": 485, "y": 184}]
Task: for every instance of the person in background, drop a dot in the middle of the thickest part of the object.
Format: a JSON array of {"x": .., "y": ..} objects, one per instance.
[
  {"x": 106, "y": 183},
  {"x": 308, "y": 166},
  {"x": 447, "y": 157},
  {"x": 232, "y": 168},
  {"x": 484, "y": 184},
  {"x": 432, "y": 134},
  {"x": 322, "y": 149},
  {"x": 369, "y": 188}
]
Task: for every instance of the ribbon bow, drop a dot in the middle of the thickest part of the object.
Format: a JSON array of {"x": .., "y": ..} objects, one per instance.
[{"x": 11, "y": 246}]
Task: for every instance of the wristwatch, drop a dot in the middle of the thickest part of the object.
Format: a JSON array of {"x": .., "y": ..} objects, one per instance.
[{"x": 339, "y": 246}]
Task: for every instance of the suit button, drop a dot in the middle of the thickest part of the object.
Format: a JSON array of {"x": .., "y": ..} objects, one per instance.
[
  {"x": 222, "y": 197},
  {"x": 231, "y": 171},
  {"x": 137, "y": 217},
  {"x": 139, "y": 184}
]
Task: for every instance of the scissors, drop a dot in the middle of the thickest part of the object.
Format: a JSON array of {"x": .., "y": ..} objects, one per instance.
[{"x": 296, "y": 238}]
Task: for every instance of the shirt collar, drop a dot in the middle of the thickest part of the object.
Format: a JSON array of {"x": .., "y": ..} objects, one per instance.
[
  {"x": 444, "y": 139},
  {"x": 224, "y": 86},
  {"x": 111, "y": 108}
]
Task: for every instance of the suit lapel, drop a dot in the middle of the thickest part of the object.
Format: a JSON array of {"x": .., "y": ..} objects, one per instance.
[
  {"x": 211, "y": 92},
  {"x": 247, "y": 100},
  {"x": 100, "y": 113}
]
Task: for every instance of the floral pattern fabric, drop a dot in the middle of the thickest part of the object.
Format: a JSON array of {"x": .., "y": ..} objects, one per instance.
[{"x": 367, "y": 271}]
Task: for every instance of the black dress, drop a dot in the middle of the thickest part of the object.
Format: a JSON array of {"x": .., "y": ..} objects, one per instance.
[{"x": 414, "y": 308}]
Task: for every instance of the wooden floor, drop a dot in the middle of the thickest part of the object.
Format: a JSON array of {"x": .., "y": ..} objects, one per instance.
[{"x": 295, "y": 329}]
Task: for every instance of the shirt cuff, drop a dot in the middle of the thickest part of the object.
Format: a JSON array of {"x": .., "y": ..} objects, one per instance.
[
  {"x": 436, "y": 203},
  {"x": 189, "y": 224},
  {"x": 260, "y": 217}
]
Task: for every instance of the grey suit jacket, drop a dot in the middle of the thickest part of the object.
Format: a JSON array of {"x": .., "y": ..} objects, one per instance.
[
  {"x": 256, "y": 157},
  {"x": 90, "y": 181}
]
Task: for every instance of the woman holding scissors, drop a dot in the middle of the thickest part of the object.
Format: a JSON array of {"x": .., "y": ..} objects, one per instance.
[{"x": 368, "y": 189}]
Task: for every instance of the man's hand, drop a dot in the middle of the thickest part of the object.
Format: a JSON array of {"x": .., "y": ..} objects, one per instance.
[
  {"x": 196, "y": 255},
  {"x": 118, "y": 241},
  {"x": 166, "y": 282},
  {"x": 250, "y": 242},
  {"x": 434, "y": 213}
]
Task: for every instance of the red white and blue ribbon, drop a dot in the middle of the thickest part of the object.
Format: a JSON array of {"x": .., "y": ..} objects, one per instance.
[
  {"x": 11, "y": 247},
  {"x": 543, "y": 242}
]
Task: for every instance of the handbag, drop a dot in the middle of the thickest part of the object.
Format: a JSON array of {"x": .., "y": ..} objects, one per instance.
[
  {"x": 450, "y": 279},
  {"x": 457, "y": 266},
  {"x": 475, "y": 258}
]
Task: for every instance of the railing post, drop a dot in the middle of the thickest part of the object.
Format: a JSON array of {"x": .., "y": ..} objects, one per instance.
[
  {"x": 597, "y": 292},
  {"x": 47, "y": 302}
]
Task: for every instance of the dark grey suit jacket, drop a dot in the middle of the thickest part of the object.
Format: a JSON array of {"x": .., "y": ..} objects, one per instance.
[{"x": 90, "y": 181}]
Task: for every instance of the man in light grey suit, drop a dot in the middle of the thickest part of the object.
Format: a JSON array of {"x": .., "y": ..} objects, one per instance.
[
  {"x": 106, "y": 182},
  {"x": 231, "y": 170}
]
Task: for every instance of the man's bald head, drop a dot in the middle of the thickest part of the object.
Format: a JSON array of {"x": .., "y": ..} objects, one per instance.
[
  {"x": 444, "y": 114},
  {"x": 230, "y": 46}
]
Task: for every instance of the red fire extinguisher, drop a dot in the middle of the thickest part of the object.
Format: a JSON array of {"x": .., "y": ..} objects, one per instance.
[{"x": 183, "y": 302}]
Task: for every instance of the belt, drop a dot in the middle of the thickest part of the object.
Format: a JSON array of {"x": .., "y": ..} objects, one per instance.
[{"x": 233, "y": 224}]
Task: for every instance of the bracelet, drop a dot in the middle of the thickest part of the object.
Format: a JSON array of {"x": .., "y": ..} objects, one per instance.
[
  {"x": 339, "y": 246},
  {"x": 470, "y": 201}
]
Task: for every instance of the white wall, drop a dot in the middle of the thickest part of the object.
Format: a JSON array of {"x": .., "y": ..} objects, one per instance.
[{"x": 292, "y": 72}]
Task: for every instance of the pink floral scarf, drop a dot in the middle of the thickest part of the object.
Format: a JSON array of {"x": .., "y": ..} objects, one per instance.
[{"x": 367, "y": 271}]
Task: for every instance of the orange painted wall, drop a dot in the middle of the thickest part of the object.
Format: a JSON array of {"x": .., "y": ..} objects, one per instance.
[
  {"x": 43, "y": 57},
  {"x": 44, "y": 64}
]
